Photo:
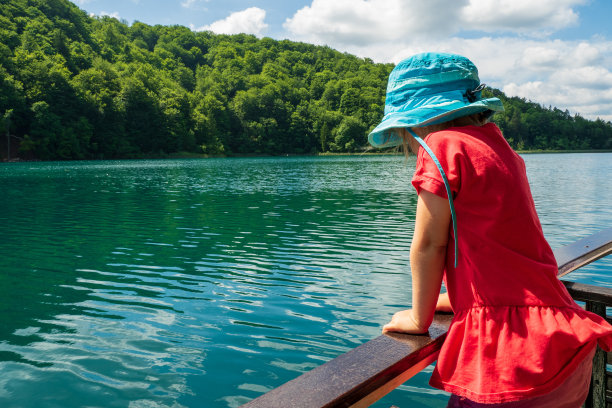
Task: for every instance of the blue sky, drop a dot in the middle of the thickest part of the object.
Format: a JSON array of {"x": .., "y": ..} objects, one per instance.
[{"x": 554, "y": 52}]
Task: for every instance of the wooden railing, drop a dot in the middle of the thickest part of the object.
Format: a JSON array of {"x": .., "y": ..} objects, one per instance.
[{"x": 365, "y": 374}]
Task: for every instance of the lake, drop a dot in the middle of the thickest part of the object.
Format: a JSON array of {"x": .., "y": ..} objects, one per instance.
[{"x": 204, "y": 283}]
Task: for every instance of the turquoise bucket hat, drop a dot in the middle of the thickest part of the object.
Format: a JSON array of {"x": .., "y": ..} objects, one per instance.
[{"x": 428, "y": 89}]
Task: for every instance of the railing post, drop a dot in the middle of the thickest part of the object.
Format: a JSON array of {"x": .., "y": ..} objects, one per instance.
[{"x": 597, "y": 391}]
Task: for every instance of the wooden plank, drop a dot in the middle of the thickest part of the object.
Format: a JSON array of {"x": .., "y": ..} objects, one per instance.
[
  {"x": 584, "y": 251},
  {"x": 583, "y": 292},
  {"x": 366, "y": 372}
]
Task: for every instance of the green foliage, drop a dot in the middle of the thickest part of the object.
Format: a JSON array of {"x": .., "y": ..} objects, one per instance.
[
  {"x": 529, "y": 126},
  {"x": 80, "y": 87}
]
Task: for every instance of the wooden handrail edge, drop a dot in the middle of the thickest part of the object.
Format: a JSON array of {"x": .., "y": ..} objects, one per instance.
[
  {"x": 584, "y": 251},
  {"x": 365, "y": 374}
]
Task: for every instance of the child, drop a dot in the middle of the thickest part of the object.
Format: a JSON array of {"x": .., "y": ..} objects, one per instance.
[{"x": 517, "y": 338}]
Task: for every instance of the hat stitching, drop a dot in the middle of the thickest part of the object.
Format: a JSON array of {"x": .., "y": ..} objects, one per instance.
[{"x": 440, "y": 58}]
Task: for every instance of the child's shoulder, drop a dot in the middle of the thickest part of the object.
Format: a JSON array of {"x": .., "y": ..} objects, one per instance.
[
  {"x": 488, "y": 133},
  {"x": 471, "y": 130},
  {"x": 454, "y": 137}
]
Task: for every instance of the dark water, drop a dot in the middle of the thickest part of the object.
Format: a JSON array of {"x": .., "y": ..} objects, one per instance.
[{"x": 204, "y": 283}]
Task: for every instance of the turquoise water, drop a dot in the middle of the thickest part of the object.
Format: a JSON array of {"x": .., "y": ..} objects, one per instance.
[{"x": 204, "y": 283}]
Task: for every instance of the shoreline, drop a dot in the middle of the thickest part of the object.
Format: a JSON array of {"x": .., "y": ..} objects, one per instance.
[{"x": 187, "y": 155}]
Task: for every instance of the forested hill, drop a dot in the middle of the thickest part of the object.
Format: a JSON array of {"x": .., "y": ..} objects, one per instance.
[{"x": 77, "y": 87}]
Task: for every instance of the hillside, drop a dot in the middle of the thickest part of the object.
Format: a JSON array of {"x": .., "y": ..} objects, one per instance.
[{"x": 77, "y": 87}]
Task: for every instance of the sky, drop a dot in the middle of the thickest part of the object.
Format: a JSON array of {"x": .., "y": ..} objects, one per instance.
[{"x": 553, "y": 52}]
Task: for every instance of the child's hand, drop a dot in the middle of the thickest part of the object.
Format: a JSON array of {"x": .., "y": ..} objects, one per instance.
[{"x": 404, "y": 322}]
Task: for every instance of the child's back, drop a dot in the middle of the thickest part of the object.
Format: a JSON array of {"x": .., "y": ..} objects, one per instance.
[{"x": 516, "y": 331}]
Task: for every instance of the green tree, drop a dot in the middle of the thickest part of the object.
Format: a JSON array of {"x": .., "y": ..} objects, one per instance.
[{"x": 350, "y": 135}]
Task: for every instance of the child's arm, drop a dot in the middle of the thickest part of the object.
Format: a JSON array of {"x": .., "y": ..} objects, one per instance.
[{"x": 427, "y": 256}]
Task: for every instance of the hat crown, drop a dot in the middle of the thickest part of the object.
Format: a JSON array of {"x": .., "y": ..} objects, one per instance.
[{"x": 430, "y": 74}]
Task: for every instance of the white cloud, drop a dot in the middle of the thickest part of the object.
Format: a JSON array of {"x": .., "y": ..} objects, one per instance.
[
  {"x": 114, "y": 14},
  {"x": 567, "y": 75},
  {"x": 593, "y": 77},
  {"x": 523, "y": 16},
  {"x": 577, "y": 99},
  {"x": 572, "y": 75},
  {"x": 540, "y": 57},
  {"x": 249, "y": 21},
  {"x": 586, "y": 53},
  {"x": 363, "y": 22},
  {"x": 366, "y": 22},
  {"x": 194, "y": 4}
]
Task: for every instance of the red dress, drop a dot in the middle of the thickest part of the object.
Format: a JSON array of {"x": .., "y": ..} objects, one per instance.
[{"x": 516, "y": 332}]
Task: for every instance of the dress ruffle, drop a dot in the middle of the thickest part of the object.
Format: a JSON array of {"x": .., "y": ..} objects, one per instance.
[{"x": 495, "y": 354}]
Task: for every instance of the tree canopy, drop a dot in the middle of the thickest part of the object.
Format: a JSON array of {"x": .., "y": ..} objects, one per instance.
[{"x": 79, "y": 87}]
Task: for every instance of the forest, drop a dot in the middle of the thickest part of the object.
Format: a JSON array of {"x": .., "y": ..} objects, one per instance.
[{"x": 76, "y": 87}]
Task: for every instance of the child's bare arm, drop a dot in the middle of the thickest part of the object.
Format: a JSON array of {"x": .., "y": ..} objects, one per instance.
[{"x": 427, "y": 255}]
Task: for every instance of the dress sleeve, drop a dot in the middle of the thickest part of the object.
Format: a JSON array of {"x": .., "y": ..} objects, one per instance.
[{"x": 427, "y": 176}]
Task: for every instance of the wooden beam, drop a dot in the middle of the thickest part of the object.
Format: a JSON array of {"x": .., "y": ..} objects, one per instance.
[{"x": 583, "y": 292}]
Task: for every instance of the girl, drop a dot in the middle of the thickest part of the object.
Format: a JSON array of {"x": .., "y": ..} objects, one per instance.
[{"x": 517, "y": 338}]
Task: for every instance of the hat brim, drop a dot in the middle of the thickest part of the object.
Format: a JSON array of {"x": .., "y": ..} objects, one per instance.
[{"x": 383, "y": 136}]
